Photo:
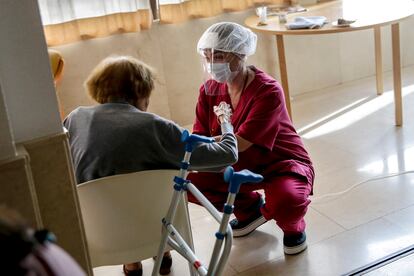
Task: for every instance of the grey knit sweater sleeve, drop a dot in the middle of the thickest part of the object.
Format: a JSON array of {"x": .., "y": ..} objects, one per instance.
[
  {"x": 116, "y": 138},
  {"x": 206, "y": 156}
]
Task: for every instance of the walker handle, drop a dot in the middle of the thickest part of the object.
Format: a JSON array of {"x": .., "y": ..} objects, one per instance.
[
  {"x": 194, "y": 138},
  {"x": 240, "y": 177}
]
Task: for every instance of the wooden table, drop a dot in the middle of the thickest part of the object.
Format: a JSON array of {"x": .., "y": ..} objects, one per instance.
[{"x": 369, "y": 14}]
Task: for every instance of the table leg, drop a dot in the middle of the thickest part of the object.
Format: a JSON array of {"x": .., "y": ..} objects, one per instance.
[
  {"x": 283, "y": 71},
  {"x": 396, "y": 64},
  {"x": 378, "y": 60}
]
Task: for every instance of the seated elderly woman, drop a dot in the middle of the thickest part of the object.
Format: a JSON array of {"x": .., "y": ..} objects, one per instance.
[{"x": 119, "y": 135}]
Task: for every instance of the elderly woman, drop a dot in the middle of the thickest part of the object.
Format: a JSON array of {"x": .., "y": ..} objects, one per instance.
[
  {"x": 119, "y": 135},
  {"x": 267, "y": 141}
]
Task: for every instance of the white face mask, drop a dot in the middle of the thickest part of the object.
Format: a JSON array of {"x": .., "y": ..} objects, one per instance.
[{"x": 220, "y": 72}]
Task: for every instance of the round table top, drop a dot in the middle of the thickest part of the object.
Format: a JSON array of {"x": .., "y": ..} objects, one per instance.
[{"x": 367, "y": 13}]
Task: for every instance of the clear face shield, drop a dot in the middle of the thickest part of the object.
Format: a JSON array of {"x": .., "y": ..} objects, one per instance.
[{"x": 219, "y": 68}]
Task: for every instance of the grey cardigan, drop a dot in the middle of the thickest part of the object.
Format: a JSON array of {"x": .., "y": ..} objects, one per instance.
[{"x": 117, "y": 138}]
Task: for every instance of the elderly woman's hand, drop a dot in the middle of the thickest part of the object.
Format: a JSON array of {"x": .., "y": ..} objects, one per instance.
[{"x": 223, "y": 112}]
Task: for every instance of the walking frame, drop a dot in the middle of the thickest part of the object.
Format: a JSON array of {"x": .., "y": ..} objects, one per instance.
[{"x": 224, "y": 234}]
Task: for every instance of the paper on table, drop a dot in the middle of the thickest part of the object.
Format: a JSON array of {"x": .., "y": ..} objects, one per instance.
[{"x": 307, "y": 22}]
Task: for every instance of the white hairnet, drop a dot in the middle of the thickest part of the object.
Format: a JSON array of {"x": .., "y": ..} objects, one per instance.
[{"x": 228, "y": 37}]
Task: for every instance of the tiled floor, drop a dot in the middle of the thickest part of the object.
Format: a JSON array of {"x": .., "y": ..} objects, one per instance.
[{"x": 350, "y": 134}]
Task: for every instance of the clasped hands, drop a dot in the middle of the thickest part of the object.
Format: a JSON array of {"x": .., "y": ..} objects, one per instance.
[{"x": 223, "y": 112}]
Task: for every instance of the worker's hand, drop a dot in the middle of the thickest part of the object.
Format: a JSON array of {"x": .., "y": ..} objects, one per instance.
[{"x": 223, "y": 112}]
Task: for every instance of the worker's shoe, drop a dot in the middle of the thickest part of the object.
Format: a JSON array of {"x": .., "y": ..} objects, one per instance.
[
  {"x": 294, "y": 243},
  {"x": 244, "y": 228}
]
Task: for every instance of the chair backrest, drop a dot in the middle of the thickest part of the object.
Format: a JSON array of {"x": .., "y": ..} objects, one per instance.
[{"x": 122, "y": 215}]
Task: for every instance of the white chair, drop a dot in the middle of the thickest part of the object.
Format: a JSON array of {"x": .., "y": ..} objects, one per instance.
[{"x": 122, "y": 215}]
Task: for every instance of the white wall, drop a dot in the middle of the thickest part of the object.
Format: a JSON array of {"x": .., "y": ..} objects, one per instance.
[
  {"x": 7, "y": 149},
  {"x": 313, "y": 62},
  {"x": 24, "y": 72}
]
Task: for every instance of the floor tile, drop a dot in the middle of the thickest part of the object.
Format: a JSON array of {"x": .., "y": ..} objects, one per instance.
[
  {"x": 341, "y": 253},
  {"x": 369, "y": 201},
  {"x": 403, "y": 218}
]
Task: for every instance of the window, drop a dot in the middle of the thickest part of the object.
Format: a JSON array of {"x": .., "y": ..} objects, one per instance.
[{"x": 60, "y": 11}]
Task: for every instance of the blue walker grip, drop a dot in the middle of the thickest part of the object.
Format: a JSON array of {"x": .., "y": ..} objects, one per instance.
[
  {"x": 194, "y": 138},
  {"x": 238, "y": 178}
]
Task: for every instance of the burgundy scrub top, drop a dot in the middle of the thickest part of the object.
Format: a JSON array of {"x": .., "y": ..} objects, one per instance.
[{"x": 261, "y": 118}]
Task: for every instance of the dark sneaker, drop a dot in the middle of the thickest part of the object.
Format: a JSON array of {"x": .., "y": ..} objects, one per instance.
[
  {"x": 294, "y": 244},
  {"x": 244, "y": 228}
]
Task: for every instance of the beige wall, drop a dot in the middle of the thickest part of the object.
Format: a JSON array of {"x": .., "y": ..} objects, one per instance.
[
  {"x": 313, "y": 62},
  {"x": 17, "y": 187}
]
